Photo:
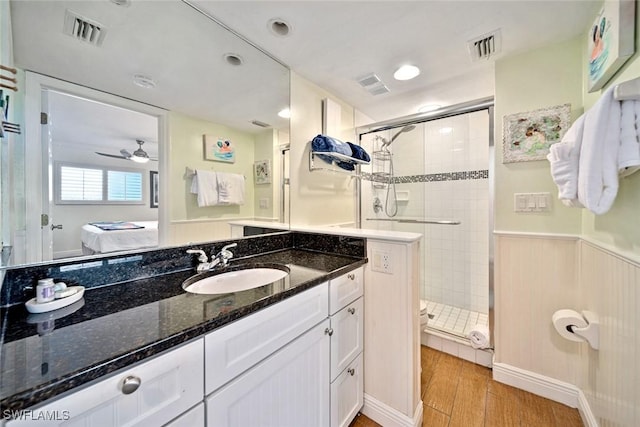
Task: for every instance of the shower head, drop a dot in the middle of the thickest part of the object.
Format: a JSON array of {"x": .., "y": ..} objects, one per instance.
[{"x": 407, "y": 128}]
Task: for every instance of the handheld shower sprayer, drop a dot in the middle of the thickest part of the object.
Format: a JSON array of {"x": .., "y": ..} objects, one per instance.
[{"x": 407, "y": 128}]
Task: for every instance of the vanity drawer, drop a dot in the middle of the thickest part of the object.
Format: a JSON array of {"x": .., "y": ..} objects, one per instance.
[
  {"x": 347, "y": 339},
  {"x": 169, "y": 385},
  {"x": 347, "y": 394},
  {"x": 345, "y": 289},
  {"x": 233, "y": 349}
]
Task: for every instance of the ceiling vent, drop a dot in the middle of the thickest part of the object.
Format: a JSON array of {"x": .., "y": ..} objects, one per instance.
[
  {"x": 485, "y": 46},
  {"x": 368, "y": 80},
  {"x": 378, "y": 89},
  {"x": 261, "y": 124},
  {"x": 83, "y": 29},
  {"x": 372, "y": 84}
]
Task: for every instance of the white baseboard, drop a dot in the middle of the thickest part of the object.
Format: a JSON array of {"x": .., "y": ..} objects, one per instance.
[
  {"x": 548, "y": 387},
  {"x": 588, "y": 418},
  {"x": 387, "y": 416}
]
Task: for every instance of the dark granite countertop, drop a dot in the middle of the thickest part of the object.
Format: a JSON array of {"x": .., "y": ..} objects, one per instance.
[{"x": 115, "y": 326}]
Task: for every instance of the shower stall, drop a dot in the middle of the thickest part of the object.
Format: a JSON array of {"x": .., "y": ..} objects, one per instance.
[{"x": 430, "y": 174}]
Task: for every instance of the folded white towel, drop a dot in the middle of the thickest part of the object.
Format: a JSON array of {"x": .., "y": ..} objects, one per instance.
[
  {"x": 230, "y": 189},
  {"x": 629, "y": 152},
  {"x": 598, "y": 169},
  {"x": 479, "y": 336},
  {"x": 205, "y": 185},
  {"x": 564, "y": 159}
]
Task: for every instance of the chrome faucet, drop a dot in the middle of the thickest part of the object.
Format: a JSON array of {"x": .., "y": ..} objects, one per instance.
[
  {"x": 202, "y": 259},
  {"x": 223, "y": 256}
]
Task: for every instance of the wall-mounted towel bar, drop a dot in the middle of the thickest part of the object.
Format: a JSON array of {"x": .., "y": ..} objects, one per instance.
[
  {"x": 189, "y": 173},
  {"x": 417, "y": 221},
  {"x": 626, "y": 91}
]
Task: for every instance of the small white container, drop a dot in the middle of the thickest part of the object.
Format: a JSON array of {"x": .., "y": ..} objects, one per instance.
[{"x": 45, "y": 291}]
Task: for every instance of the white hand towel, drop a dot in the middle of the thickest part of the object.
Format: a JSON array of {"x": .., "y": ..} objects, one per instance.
[
  {"x": 629, "y": 153},
  {"x": 564, "y": 159},
  {"x": 598, "y": 170},
  {"x": 479, "y": 336},
  {"x": 205, "y": 185},
  {"x": 230, "y": 188}
]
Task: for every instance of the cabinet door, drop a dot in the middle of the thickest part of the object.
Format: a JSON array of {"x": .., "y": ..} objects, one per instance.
[
  {"x": 193, "y": 418},
  {"x": 170, "y": 384},
  {"x": 237, "y": 347},
  {"x": 347, "y": 339},
  {"x": 288, "y": 389},
  {"x": 347, "y": 394},
  {"x": 345, "y": 289}
]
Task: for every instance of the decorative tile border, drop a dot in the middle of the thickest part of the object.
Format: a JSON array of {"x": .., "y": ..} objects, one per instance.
[{"x": 434, "y": 177}]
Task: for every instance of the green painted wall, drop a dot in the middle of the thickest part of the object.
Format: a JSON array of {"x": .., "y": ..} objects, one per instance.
[
  {"x": 536, "y": 79},
  {"x": 619, "y": 228}
]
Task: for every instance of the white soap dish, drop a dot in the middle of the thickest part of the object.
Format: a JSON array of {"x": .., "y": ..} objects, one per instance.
[{"x": 34, "y": 307}]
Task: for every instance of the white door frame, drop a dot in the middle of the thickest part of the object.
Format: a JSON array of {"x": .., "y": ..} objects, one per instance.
[{"x": 34, "y": 195}]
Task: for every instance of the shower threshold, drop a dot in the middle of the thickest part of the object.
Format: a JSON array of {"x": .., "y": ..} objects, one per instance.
[{"x": 453, "y": 320}]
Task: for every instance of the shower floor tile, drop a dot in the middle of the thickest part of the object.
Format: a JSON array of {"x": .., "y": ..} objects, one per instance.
[{"x": 454, "y": 320}]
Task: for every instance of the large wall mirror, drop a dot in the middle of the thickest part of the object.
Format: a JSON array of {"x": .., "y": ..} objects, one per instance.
[{"x": 120, "y": 81}]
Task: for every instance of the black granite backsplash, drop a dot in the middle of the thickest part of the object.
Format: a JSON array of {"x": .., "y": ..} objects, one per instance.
[
  {"x": 19, "y": 283},
  {"x": 339, "y": 245}
]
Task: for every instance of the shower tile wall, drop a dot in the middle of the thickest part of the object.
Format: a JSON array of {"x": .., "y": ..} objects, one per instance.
[
  {"x": 456, "y": 270},
  {"x": 427, "y": 163}
]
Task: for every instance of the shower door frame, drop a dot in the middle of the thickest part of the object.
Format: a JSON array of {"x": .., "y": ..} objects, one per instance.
[{"x": 442, "y": 113}]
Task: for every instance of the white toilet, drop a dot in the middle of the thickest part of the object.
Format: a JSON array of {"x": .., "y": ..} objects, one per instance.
[{"x": 424, "y": 316}]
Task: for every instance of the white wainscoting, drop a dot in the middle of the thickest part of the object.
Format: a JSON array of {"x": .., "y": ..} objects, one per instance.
[{"x": 539, "y": 274}]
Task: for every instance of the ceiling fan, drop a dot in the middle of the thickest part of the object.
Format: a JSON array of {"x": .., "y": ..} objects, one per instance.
[{"x": 138, "y": 156}]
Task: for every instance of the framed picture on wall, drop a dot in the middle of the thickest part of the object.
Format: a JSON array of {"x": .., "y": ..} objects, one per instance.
[
  {"x": 527, "y": 136},
  {"x": 153, "y": 189},
  {"x": 610, "y": 41},
  {"x": 218, "y": 149},
  {"x": 262, "y": 172}
]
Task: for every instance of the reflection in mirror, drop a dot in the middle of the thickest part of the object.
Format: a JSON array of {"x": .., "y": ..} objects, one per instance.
[{"x": 164, "y": 54}]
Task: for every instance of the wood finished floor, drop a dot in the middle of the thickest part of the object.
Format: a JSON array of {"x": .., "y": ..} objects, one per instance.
[{"x": 457, "y": 393}]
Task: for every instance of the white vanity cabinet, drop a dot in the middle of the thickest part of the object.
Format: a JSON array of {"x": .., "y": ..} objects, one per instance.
[
  {"x": 347, "y": 342},
  {"x": 153, "y": 392},
  {"x": 289, "y": 388},
  {"x": 295, "y": 363}
]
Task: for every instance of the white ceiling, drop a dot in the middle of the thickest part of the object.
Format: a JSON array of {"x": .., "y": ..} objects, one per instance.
[
  {"x": 89, "y": 126},
  {"x": 180, "y": 48},
  {"x": 335, "y": 42}
]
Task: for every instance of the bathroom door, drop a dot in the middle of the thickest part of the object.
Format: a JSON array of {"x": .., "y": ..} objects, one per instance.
[{"x": 47, "y": 178}]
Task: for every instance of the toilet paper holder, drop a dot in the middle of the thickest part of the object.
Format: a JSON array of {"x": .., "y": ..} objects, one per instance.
[
  {"x": 591, "y": 332},
  {"x": 587, "y": 328}
]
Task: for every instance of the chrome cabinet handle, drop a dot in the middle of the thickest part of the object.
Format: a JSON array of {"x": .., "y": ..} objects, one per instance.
[
  {"x": 328, "y": 331},
  {"x": 351, "y": 276},
  {"x": 351, "y": 371},
  {"x": 352, "y": 310},
  {"x": 130, "y": 384}
]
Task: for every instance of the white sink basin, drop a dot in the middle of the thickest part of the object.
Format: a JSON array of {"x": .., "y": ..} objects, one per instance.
[{"x": 235, "y": 280}]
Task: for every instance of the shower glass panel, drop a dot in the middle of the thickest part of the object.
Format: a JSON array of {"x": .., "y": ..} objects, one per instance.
[{"x": 441, "y": 174}]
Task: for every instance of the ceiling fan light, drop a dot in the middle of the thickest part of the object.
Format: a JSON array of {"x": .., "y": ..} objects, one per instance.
[{"x": 139, "y": 159}]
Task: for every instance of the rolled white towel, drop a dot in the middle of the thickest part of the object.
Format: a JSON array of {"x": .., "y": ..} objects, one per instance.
[
  {"x": 479, "y": 336},
  {"x": 564, "y": 159}
]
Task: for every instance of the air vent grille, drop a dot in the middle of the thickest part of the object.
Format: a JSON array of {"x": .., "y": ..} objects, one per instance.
[
  {"x": 261, "y": 124},
  {"x": 83, "y": 29},
  {"x": 485, "y": 46}
]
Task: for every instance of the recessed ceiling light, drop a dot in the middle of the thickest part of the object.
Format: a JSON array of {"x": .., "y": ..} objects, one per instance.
[
  {"x": 279, "y": 27},
  {"x": 406, "y": 72},
  {"x": 429, "y": 107},
  {"x": 445, "y": 130},
  {"x": 233, "y": 59},
  {"x": 285, "y": 113},
  {"x": 144, "y": 81}
]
